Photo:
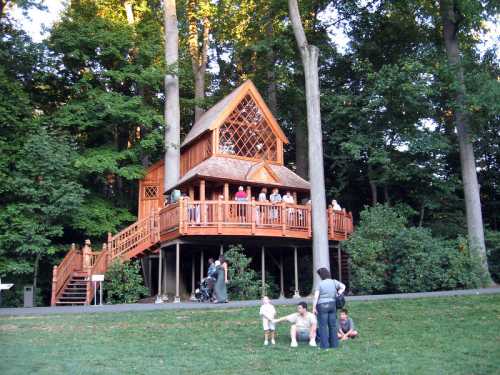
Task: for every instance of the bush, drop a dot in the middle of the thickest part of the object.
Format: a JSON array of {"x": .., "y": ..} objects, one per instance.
[
  {"x": 493, "y": 251},
  {"x": 123, "y": 283},
  {"x": 387, "y": 256},
  {"x": 244, "y": 282}
]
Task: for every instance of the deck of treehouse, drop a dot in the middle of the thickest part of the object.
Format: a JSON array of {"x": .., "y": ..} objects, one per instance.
[{"x": 237, "y": 146}]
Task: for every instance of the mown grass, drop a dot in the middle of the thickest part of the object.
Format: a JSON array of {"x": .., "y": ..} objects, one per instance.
[{"x": 456, "y": 335}]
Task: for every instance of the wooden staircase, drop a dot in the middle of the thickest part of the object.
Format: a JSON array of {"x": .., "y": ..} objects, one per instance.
[
  {"x": 75, "y": 291},
  {"x": 71, "y": 280}
]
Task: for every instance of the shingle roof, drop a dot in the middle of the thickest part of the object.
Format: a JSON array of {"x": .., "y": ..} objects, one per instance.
[{"x": 224, "y": 168}]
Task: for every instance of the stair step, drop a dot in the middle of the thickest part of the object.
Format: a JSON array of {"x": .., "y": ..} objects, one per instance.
[
  {"x": 73, "y": 297},
  {"x": 74, "y": 294},
  {"x": 69, "y": 303}
]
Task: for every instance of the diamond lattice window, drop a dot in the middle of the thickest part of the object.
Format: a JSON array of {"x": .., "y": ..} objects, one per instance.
[
  {"x": 151, "y": 192},
  {"x": 246, "y": 133}
]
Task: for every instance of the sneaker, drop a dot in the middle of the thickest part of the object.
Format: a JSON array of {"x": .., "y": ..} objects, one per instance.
[
  {"x": 312, "y": 343},
  {"x": 273, "y": 342},
  {"x": 294, "y": 344},
  {"x": 266, "y": 343}
]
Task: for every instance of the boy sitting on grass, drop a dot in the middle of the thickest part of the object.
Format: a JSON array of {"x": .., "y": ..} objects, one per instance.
[{"x": 345, "y": 326}]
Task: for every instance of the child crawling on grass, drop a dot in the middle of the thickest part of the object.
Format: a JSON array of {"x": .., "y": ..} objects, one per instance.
[
  {"x": 267, "y": 313},
  {"x": 345, "y": 327}
]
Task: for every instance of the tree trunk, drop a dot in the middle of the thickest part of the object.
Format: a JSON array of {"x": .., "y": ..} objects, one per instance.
[
  {"x": 386, "y": 196},
  {"x": 35, "y": 277},
  {"x": 309, "y": 54},
  {"x": 422, "y": 213},
  {"x": 373, "y": 185},
  {"x": 451, "y": 19},
  {"x": 172, "y": 106},
  {"x": 272, "y": 98},
  {"x": 198, "y": 57},
  {"x": 301, "y": 159}
]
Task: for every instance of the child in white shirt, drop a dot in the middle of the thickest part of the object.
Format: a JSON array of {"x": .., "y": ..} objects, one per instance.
[{"x": 268, "y": 313}]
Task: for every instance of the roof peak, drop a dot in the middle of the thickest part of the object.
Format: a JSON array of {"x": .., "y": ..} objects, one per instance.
[{"x": 218, "y": 113}]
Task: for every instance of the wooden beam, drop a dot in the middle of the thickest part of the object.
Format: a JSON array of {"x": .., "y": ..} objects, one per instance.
[
  {"x": 177, "y": 271},
  {"x": 160, "y": 270},
  {"x": 202, "y": 199},
  {"x": 226, "y": 191},
  {"x": 296, "y": 293},
  {"x": 263, "y": 270},
  {"x": 202, "y": 264}
]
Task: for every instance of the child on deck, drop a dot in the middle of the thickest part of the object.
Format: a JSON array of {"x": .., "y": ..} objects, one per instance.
[
  {"x": 345, "y": 328},
  {"x": 268, "y": 313}
]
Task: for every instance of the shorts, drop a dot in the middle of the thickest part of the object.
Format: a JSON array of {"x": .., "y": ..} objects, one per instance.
[
  {"x": 268, "y": 325},
  {"x": 302, "y": 335}
]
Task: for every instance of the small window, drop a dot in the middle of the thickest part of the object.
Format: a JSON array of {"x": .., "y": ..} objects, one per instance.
[{"x": 151, "y": 192}]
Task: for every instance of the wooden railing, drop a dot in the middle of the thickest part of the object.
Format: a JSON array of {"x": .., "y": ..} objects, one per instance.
[
  {"x": 99, "y": 264},
  {"x": 60, "y": 274},
  {"x": 339, "y": 224},
  {"x": 145, "y": 230},
  {"x": 189, "y": 216}
]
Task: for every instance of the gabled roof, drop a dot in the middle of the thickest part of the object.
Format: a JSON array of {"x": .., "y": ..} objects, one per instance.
[
  {"x": 216, "y": 115},
  {"x": 238, "y": 170}
]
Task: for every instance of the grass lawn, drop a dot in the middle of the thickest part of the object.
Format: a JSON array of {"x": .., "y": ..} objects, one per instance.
[{"x": 456, "y": 335}]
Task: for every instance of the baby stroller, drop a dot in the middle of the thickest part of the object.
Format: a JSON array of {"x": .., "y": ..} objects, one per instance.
[{"x": 205, "y": 291}]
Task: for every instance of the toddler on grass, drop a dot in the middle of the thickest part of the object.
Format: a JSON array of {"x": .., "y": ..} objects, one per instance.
[{"x": 268, "y": 313}]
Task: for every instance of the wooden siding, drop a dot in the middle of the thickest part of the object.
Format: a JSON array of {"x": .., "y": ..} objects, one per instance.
[
  {"x": 196, "y": 152},
  {"x": 151, "y": 190}
]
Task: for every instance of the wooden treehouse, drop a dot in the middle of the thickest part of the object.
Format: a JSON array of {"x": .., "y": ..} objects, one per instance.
[{"x": 237, "y": 143}]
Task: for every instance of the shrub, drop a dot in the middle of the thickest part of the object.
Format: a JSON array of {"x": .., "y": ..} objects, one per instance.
[
  {"x": 493, "y": 250},
  {"x": 123, "y": 283},
  {"x": 387, "y": 256},
  {"x": 244, "y": 282}
]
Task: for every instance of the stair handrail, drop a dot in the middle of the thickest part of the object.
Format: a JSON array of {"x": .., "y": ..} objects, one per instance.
[
  {"x": 60, "y": 274},
  {"x": 99, "y": 267},
  {"x": 143, "y": 230}
]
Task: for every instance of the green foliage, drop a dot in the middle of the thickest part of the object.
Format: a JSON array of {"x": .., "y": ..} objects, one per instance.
[
  {"x": 244, "y": 282},
  {"x": 387, "y": 256},
  {"x": 493, "y": 250},
  {"x": 123, "y": 283}
]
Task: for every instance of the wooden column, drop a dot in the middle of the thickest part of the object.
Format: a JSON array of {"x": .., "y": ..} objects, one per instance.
[
  {"x": 263, "y": 270},
  {"x": 249, "y": 192},
  {"x": 226, "y": 191},
  {"x": 177, "y": 271},
  {"x": 193, "y": 278},
  {"x": 296, "y": 294},
  {"x": 221, "y": 249},
  {"x": 191, "y": 193},
  {"x": 164, "y": 283},
  {"x": 282, "y": 279},
  {"x": 339, "y": 260},
  {"x": 202, "y": 199},
  {"x": 160, "y": 270},
  {"x": 202, "y": 264}
]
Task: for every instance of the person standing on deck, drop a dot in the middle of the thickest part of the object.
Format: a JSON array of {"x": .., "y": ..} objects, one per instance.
[
  {"x": 241, "y": 196},
  {"x": 275, "y": 198},
  {"x": 262, "y": 209},
  {"x": 220, "y": 287}
]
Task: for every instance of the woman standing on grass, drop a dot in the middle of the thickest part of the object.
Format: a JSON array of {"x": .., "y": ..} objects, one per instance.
[
  {"x": 220, "y": 288},
  {"x": 326, "y": 310}
]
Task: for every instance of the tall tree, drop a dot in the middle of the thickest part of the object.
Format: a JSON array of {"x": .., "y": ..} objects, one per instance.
[
  {"x": 198, "y": 49},
  {"x": 309, "y": 54},
  {"x": 172, "y": 106},
  {"x": 452, "y": 18}
]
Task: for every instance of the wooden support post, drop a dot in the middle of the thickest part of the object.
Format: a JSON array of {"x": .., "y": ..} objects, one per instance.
[
  {"x": 282, "y": 279},
  {"x": 283, "y": 218},
  {"x": 263, "y": 270},
  {"x": 339, "y": 260},
  {"x": 296, "y": 294},
  {"x": 221, "y": 249},
  {"x": 253, "y": 214},
  {"x": 249, "y": 192},
  {"x": 219, "y": 215},
  {"x": 54, "y": 286},
  {"x": 193, "y": 298},
  {"x": 202, "y": 264},
  {"x": 160, "y": 270},
  {"x": 226, "y": 191},
  {"x": 203, "y": 204},
  {"x": 150, "y": 278},
  {"x": 177, "y": 298},
  {"x": 331, "y": 228},
  {"x": 164, "y": 277}
]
